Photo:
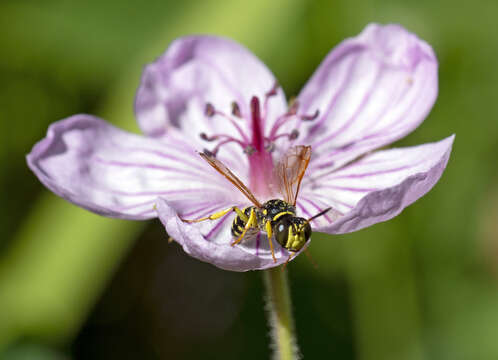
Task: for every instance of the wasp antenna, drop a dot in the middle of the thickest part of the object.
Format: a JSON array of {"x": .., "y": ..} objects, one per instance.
[{"x": 323, "y": 212}]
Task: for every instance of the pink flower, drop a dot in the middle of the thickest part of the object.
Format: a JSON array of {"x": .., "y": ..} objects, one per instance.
[{"x": 211, "y": 93}]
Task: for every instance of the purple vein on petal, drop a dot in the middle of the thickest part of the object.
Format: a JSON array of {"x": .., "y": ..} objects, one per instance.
[
  {"x": 202, "y": 211},
  {"x": 386, "y": 171},
  {"x": 133, "y": 206},
  {"x": 362, "y": 175},
  {"x": 351, "y": 120},
  {"x": 318, "y": 208},
  {"x": 183, "y": 161},
  {"x": 318, "y": 196},
  {"x": 374, "y": 173},
  {"x": 147, "y": 166},
  {"x": 303, "y": 210},
  {"x": 177, "y": 143},
  {"x": 217, "y": 227},
  {"x": 334, "y": 99},
  {"x": 390, "y": 105},
  {"x": 166, "y": 192},
  {"x": 389, "y": 132},
  {"x": 345, "y": 188},
  {"x": 224, "y": 80}
]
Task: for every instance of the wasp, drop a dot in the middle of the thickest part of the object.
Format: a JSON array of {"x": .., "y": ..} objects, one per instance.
[{"x": 276, "y": 217}]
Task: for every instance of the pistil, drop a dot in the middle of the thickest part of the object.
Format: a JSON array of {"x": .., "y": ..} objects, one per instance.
[{"x": 260, "y": 160}]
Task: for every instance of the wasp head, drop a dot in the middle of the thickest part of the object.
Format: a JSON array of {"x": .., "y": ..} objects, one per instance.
[{"x": 292, "y": 232}]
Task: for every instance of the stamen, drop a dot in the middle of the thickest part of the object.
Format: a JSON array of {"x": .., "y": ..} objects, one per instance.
[
  {"x": 232, "y": 121},
  {"x": 268, "y": 95},
  {"x": 211, "y": 111},
  {"x": 273, "y": 90},
  {"x": 294, "y": 134},
  {"x": 208, "y": 153},
  {"x": 208, "y": 138},
  {"x": 228, "y": 140},
  {"x": 290, "y": 114},
  {"x": 310, "y": 117}
]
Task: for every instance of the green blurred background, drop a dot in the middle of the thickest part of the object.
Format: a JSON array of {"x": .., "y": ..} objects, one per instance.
[{"x": 77, "y": 286}]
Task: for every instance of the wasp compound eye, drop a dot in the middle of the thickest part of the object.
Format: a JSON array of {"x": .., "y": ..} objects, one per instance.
[{"x": 281, "y": 230}]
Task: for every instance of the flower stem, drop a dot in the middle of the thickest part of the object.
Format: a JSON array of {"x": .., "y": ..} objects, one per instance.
[{"x": 280, "y": 314}]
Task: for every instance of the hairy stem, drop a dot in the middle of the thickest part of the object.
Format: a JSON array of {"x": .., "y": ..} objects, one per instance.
[{"x": 280, "y": 315}]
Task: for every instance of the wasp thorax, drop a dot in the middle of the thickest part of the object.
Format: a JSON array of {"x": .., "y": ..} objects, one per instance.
[{"x": 292, "y": 232}]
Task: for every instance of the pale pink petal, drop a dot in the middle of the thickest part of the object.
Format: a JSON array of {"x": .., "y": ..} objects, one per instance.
[
  {"x": 373, "y": 189},
  {"x": 209, "y": 241},
  {"x": 370, "y": 91},
  {"x": 114, "y": 173},
  {"x": 197, "y": 70}
]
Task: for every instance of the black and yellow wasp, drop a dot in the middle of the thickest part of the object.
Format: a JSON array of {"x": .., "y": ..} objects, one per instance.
[{"x": 275, "y": 217}]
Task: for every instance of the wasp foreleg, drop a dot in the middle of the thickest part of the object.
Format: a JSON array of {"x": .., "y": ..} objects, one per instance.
[
  {"x": 219, "y": 214},
  {"x": 269, "y": 234}
]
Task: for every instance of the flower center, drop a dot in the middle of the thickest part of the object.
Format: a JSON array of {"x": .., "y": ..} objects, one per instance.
[{"x": 256, "y": 145}]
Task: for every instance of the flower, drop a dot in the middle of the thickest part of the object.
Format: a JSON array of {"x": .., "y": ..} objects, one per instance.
[{"x": 211, "y": 93}]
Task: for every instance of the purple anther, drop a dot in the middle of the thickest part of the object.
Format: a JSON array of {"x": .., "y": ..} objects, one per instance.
[
  {"x": 310, "y": 117},
  {"x": 273, "y": 90},
  {"x": 294, "y": 134},
  {"x": 249, "y": 150},
  {"x": 204, "y": 136},
  {"x": 209, "y": 110},
  {"x": 236, "y": 109}
]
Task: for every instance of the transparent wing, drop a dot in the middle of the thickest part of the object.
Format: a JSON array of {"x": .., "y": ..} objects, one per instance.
[
  {"x": 226, "y": 172},
  {"x": 290, "y": 170}
]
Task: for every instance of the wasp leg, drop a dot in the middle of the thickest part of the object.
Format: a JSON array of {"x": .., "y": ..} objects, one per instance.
[
  {"x": 289, "y": 259},
  {"x": 219, "y": 214},
  {"x": 252, "y": 222},
  {"x": 269, "y": 234}
]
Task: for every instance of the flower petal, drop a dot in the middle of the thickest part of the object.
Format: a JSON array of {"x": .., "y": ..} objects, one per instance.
[
  {"x": 209, "y": 241},
  {"x": 114, "y": 173},
  {"x": 374, "y": 188},
  {"x": 370, "y": 91},
  {"x": 197, "y": 70}
]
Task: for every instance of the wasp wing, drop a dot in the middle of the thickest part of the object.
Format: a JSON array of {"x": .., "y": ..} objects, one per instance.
[
  {"x": 290, "y": 170},
  {"x": 227, "y": 173}
]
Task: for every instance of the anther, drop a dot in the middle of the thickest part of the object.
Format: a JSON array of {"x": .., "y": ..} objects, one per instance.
[
  {"x": 236, "y": 110},
  {"x": 273, "y": 90},
  {"x": 209, "y": 153},
  {"x": 208, "y": 138},
  {"x": 310, "y": 117},
  {"x": 294, "y": 134},
  {"x": 249, "y": 150},
  {"x": 209, "y": 110}
]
